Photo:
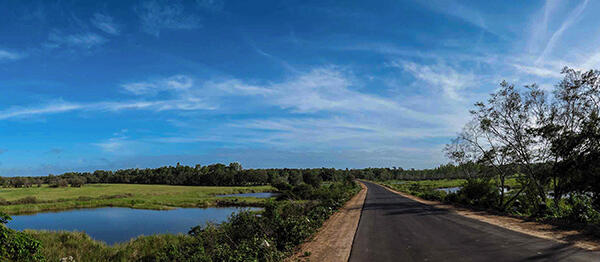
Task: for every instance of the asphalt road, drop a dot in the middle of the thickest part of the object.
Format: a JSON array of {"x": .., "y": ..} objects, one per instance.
[{"x": 395, "y": 228}]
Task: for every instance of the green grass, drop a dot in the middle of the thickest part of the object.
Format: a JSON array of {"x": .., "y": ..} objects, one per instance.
[
  {"x": 81, "y": 247},
  {"x": 122, "y": 195}
]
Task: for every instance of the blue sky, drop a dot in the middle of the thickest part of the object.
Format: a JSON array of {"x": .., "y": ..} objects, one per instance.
[{"x": 91, "y": 85}]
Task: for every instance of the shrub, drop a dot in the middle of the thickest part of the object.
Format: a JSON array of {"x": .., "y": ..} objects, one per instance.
[
  {"x": 17, "y": 246},
  {"x": 25, "y": 200},
  {"x": 58, "y": 182},
  {"x": 478, "y": 192},
  {"x": 77, "y": 181},
  {"x": 433, "y": 195},
  {"x": 580, "y": 210}
]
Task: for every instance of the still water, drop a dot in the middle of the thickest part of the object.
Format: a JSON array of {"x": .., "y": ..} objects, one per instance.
[
  {"x": 257, "y": 195},
  {"x": 113, "y": 224},
  {"x": 449, "y": 189}
]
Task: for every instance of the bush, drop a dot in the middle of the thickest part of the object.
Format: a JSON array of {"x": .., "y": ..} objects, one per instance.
[
  {"x": 579, "y": 209},
  {"x": 478, "y": 192},
  {"x": 25, "y": 200},
  {"x": 58, "y": 182},
  {"x": 433, "y": 195},
  {"x": 77, "y": 182},
  {"x": 17, "y": 246}
]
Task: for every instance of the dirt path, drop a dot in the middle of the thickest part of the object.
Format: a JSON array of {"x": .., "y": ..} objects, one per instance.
[
  {"x": 532, "y": 228},
  {"x": 334, "y": 240}
]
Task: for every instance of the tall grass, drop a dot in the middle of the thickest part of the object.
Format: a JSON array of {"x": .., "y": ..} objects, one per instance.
[{"x": 82, "y": 247}]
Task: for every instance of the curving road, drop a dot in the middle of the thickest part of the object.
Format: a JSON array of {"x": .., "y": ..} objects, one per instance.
[{"x": 395, "y": 228}]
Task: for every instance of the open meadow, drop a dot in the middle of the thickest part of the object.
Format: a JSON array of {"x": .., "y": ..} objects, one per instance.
[{"x": 37, "y": 199}]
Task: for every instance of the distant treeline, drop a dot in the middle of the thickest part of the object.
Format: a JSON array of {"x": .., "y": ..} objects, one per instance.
[{"x": 228, "y": 175}]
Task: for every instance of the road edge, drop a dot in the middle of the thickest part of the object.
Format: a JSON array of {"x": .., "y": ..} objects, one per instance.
[
  {"x": 333, "y": 241},
  {"x": 532, "y": 228}
]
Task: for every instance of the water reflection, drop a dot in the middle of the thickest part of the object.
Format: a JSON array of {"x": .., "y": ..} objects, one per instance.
[{"x": 113, "y": 225}]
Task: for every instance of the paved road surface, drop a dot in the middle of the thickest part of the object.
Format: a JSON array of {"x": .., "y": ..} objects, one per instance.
[{"x": 395, "y": 228}]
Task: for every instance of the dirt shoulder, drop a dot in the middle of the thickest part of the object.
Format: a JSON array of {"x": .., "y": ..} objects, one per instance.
[
  {"x": 574, "y": 237},
  {"x": 333, "y": 242}
]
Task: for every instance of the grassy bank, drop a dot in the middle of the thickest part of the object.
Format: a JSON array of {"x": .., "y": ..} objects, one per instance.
[
  {"x": 82, "y": 247},
  {"x": 36, "y": 199}
]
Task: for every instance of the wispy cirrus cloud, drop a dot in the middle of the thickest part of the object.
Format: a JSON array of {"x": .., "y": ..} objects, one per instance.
[
  {"x": 119, "y": 143},
  {"x": 156, "y": 16},
  {"x": 573, "y": 17},
  {"x": 326, "y": 111},
  {"x": 325, "y": 108},
  {"x": 60, "y": 106},
  {"x": 51, "y": 108},
  {"x": 177, "y": 99},
  {"x": 440, "y": 76},
  {"x": 320, "y": 89},
  {"x": 105, "y": 23},
  {"x": 8, "y": 55},
  {"x": 538, "y": 71},
  {"x": 86, "y": 40},
  {"x": 174, "y": 83}
]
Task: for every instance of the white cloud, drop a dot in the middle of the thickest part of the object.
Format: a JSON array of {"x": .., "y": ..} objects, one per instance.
[
  {"x": 460, "y": 11},
  {"x": 105, "y": 23},
  {"x": 237, "y": 87},
  {"x": 83, "y": 40},
  {"x": 538, "y": 71},
  {"x": 327, "y": 112},
  {"x": 63, "y": 107},
  {"x": 120, "y": 145},
  {"x": 156, "y": 16},
  {"x": 440, "y": 76},
  {"x": 591, "y": 62},
  {"x": 326, "y": 108},
  {"x": 53, "y": 108},
  {"x": 571, "y": 19},
  {"x": 111, "y": 145},
  {"x": 10, "y": 55},
  {"x": 341, "y": 130},
  {"x": 174, "y": 83},
  {"x": 539, "y": 26},
  {"x": 321, "y": 89}
]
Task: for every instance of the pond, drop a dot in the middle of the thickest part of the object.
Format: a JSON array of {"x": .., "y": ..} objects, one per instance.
[
  {"x": 456, "y": 189},
  {"x": 257, "y": 195},
  {"x": 113, "y": 224},
  {"x": 449, "y": 189}
]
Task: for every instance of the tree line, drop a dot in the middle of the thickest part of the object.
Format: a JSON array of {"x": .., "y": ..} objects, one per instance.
[{"x": 228, "y": 175}]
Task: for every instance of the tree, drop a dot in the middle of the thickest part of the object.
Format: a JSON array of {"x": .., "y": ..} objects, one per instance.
[
  {"x": 77, "y": 181},
  {"x": 58, "y": 182},
  {"x": 571, "y": 125},
  {"x": 312, "y": 178}
]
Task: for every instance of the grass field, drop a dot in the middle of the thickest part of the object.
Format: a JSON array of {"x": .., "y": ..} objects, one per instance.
[{"x": 30, "y": 200}]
